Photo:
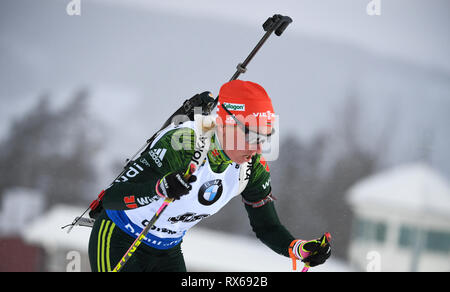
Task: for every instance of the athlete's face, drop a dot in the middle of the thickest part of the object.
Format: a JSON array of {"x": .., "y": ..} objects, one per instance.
[{"x": 238, "y": 145}]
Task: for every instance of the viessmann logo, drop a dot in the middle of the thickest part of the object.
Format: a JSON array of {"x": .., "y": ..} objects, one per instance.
[{"x": 234, "y": 107}]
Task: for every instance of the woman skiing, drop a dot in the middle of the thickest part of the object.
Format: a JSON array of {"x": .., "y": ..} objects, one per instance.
[{"x": 233, "y": 166}]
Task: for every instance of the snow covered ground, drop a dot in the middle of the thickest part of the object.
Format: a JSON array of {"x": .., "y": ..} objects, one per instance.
[{"x": 204, "y": 250}]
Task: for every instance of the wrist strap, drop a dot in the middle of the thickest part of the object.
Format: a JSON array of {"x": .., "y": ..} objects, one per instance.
[
  {"x": 157, "y": 187},
  {"x": 292, "y": 254},
  {"x": 260, "y": 203},
  {"x": 295, "y": 252}
]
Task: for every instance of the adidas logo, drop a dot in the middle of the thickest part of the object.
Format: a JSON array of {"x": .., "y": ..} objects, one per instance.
[{"x": 158, "y": 155}]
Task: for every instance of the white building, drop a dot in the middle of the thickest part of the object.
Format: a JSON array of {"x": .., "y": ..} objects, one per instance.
[
  {"x": 402, "y": 221},
  {"x": 19, "y": 207}
]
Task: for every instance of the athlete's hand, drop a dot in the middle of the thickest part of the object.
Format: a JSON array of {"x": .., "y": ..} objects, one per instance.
[
  {"x": 174, "y": 186},
  {"x": 313, "y": 252}
]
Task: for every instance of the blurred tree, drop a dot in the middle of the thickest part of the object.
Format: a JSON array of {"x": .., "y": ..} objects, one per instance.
[
  {"x": 311, "y": 178},
  {"x": 296, "y": 180},
  {"x": 52, "y": 151},
  {"x": 359, "y": 151},
  {"x": 332, "y": 204}
]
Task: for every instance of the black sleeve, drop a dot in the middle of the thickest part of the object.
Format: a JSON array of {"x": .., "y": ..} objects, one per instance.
[
  {"x": 268, "y": 228},
  {"x": 260, "y": 207}
]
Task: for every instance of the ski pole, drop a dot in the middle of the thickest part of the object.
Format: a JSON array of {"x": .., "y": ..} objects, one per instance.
[
  {"x": 201, "y": 147},
  {"x": 145, "y": 231},
  {"x": 325, "y": 240},
  {"x": 141, "y": 236}
]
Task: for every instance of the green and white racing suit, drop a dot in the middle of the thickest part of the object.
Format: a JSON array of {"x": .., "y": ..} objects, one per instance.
[{"x": 131, "y": 200}]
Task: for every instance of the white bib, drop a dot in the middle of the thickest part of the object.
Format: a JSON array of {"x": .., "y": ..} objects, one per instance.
[{"x": 210, "y": 192}]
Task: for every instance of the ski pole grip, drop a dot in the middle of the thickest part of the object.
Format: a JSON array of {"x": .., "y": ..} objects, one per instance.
[
  {"x": 191, "y": 169},
  {"x": 325, "y": 239}
]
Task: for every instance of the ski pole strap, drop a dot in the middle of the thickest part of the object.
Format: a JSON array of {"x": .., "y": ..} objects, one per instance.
[
  {"x": 298, "y": 252},
  {"x": 294, "y": 254}
]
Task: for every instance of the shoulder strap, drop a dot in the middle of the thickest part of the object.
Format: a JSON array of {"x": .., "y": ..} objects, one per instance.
[{"x": 204, "y": 129}]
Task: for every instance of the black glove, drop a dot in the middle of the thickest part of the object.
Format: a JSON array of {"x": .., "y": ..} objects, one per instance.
[
  {"x": 319, "y": 251},
  {"x": 173, "y": 185}
]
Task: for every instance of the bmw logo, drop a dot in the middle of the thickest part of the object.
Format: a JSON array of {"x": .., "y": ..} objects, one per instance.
[{"x": 210, "y": 192}]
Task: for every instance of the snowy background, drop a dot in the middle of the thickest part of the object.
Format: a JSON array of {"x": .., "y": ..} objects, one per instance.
[{"x": 357, "y": 95}]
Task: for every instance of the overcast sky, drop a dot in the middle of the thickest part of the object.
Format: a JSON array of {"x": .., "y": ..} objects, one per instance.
[
  {"x": 413, "y": 29},
  {"x": 133, "y": 56}
]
